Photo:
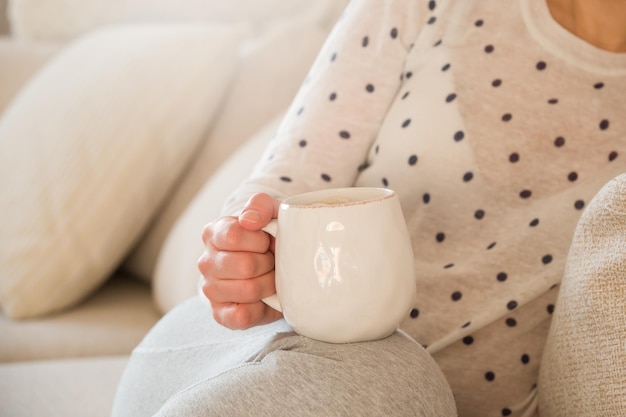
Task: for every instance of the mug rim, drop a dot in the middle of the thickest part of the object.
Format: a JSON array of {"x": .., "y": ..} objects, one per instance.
[{"x": 304, "y": 200}]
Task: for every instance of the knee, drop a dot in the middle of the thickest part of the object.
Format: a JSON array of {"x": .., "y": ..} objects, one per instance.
[
  {"x": 403, "y": 379},
  {"x": 299, "y": 376}
]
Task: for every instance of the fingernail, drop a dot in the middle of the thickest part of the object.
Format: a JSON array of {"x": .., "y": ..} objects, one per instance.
[{"x": 251, "y": 216}]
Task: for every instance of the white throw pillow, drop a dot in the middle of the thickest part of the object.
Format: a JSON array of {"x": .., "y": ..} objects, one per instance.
[
  {"x": 61, "y": 20},
  {"x": 271, "y": 71},
  {"x": 91, "y": 147},
  {"x": 176, "y": 274},
  {"x": 19, "y": 61}
]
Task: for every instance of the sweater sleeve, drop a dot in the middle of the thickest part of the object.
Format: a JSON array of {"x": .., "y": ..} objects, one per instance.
[{"x": 326, "y": 134}]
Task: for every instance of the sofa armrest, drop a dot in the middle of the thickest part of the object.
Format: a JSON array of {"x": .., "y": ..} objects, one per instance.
[
  {"x": 19, "y": 61},
  {"x": 583, "y": 369}
]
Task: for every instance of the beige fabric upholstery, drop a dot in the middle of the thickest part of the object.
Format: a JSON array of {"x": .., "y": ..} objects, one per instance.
[
  {"x": 119, "y": 113},
  {"x": 19, "y": 61},
  {"x": 65, "y": 388},
  {"x": 67, "y": 19},
  {"x": 583, "y": 370},
  {"x": 111, "y": 322}
]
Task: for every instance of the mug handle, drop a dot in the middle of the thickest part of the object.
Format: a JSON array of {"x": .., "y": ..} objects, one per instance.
[{"x": 272, "y": 228}]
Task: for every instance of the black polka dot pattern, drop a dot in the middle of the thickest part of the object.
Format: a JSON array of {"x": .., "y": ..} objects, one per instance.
[{"x": 559, "y": 141}]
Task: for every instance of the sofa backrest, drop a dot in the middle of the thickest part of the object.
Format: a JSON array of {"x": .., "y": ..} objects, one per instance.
[
  {"x": 4, "y": 21},
  {"x": 62, "y": 20}
]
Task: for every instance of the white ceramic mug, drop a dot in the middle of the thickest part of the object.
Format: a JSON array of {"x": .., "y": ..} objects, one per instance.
[{"x": 344, "y": 264}]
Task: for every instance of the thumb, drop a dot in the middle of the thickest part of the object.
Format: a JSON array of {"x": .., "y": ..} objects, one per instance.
[{"x": 258, "y": 211}]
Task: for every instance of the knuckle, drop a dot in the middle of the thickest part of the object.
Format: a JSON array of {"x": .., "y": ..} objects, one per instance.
[
  {"x": 221, "y": 231},
  {"x": 207, "y": 232},
  {"x": 246, "y": 267},
  {"x": 210, "y": 291},
  {"x": 219, "y": 317},
  {"x": 231, "y": 236},
  {"x": 241, "y": 318},
  {"x": 256, "y": 198},
  {"x": 234, "y": 318},
  {"x": 262, "y": 199},
  {"x": 206, "y": 264},
  {"x": 250, "y": 291},
  {"x": 202, "y": 263}
]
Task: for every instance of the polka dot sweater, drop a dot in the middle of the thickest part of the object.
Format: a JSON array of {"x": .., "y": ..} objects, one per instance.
[{"x": 496, "y": 127}]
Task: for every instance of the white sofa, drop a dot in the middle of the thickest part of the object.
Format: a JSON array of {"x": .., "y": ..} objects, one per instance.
[{"x": 123, "y": 126}]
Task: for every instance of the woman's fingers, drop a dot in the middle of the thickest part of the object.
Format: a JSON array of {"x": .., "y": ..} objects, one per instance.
[
  {"x": 226, "y": 234},
  {"x": 258, "y": 211},
  {"x": 235, "y": 265},
  {"x": 238, "y": 265},
  {"x": 243, "y": 316},
  {"x": 244, "y": 291}
]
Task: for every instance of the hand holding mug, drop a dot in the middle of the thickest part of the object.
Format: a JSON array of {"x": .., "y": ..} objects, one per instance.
[
  {"x": 238, "y": 265},
  {"x": 343, "y": 266}
]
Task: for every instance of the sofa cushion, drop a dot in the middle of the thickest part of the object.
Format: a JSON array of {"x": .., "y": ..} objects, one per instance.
[
  {"x": 176, "y": 275},
  {"x": 111, "y": 322},
  {"x": 67, "y": 19},
  {"x": 272, "y": 68},
  {"x": 90, "y": 148},
  {"x": 63, "y": 388},
  {"x": 19, "y": 61}
]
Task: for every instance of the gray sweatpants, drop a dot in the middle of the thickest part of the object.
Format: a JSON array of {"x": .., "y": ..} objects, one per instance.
[{"x": 188, "y": 365}]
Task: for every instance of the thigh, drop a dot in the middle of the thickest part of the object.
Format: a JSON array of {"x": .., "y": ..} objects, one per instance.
[
  {"x": 189, "y": 365},
  {"x": 185, "y": 348},
  {"x": 294, "y": 375}
]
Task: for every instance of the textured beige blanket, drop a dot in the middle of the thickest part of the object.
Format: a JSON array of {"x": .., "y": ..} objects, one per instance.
[{"x": 583, "y": 371}]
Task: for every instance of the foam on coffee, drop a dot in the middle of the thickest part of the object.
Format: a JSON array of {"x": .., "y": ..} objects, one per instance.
[{"x": 331, "y": 201}]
